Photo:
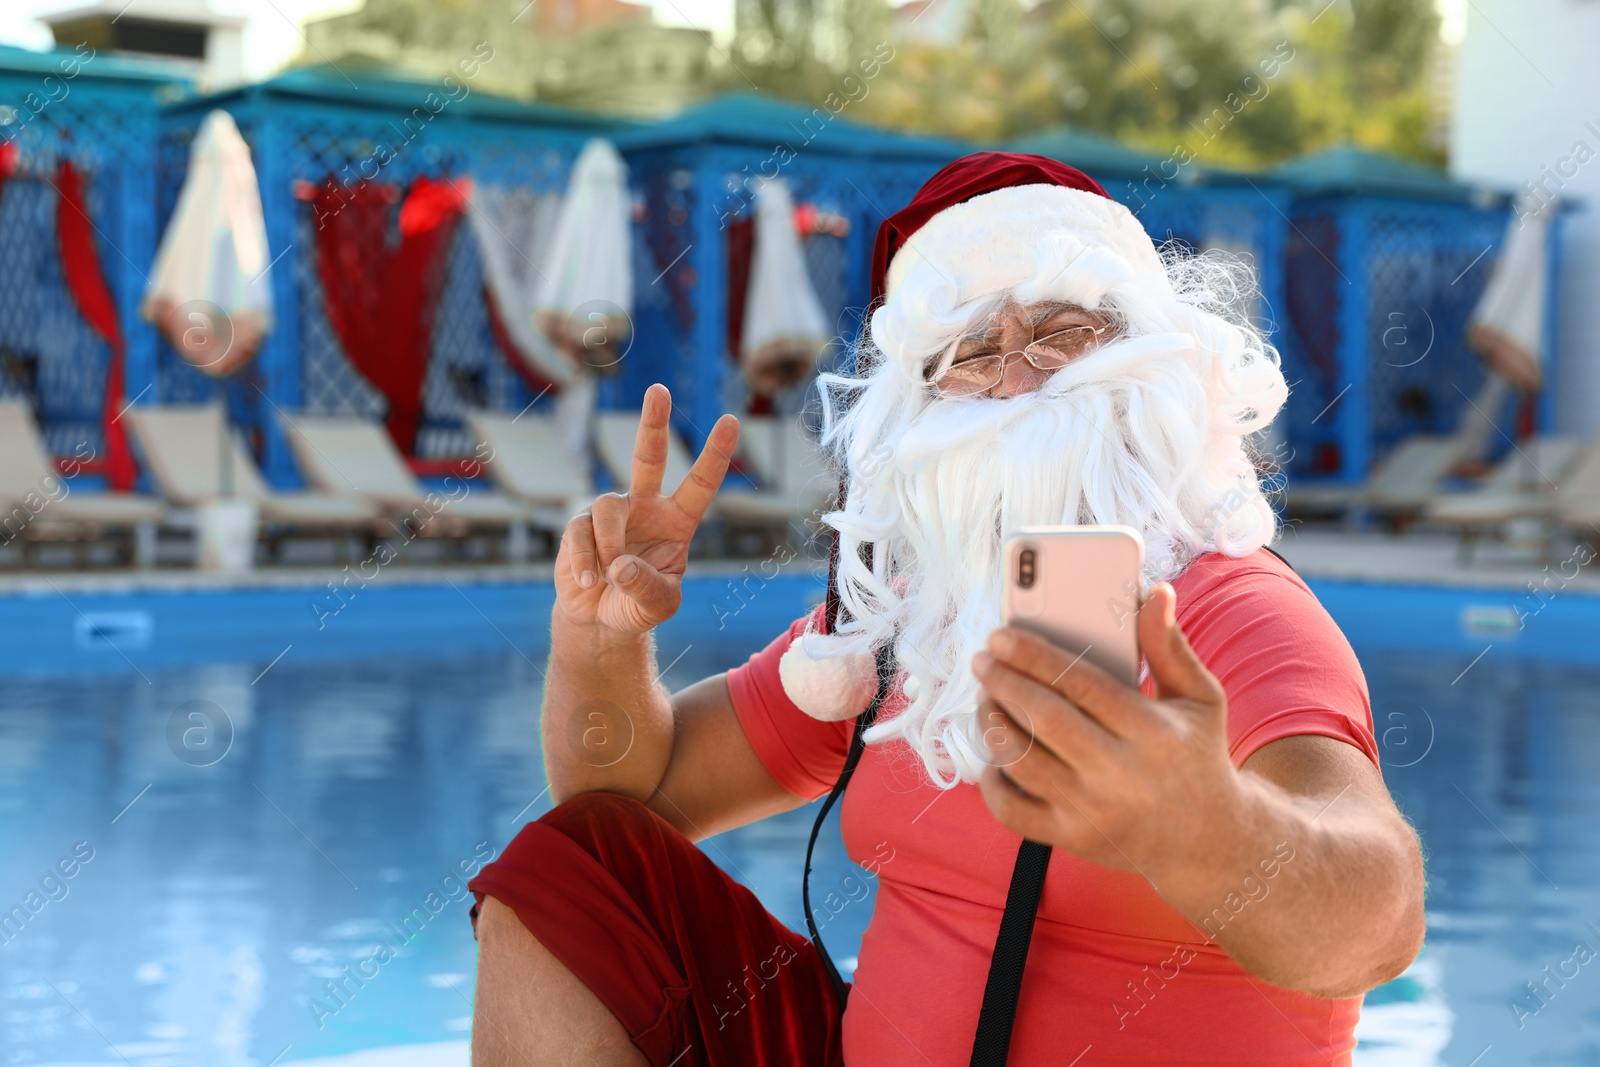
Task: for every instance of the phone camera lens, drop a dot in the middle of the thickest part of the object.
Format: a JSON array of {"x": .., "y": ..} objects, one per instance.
[{"x": 1025, "y": 566}]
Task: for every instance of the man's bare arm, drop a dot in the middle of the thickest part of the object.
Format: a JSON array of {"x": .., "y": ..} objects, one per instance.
[
  {"x": 607, "y": 722},
  {"x": 1343, "y": 908},
  {"x": 714, "y": 780},
  {"x": 1317, "y": 877},
  {"x": 609, "y": 726}
]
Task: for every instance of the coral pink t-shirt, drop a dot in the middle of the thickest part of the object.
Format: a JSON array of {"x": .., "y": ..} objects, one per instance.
[{"x": 1115, "y": 974}]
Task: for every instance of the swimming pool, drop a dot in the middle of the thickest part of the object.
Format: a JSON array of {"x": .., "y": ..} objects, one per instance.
[{"x": 280, "y": 879}]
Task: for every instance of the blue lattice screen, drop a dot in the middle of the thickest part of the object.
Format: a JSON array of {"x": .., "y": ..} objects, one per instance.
[
  {"x": 48, "y": 353},
  {"x": 1422, "y": 294},
  {"x": 1379, "y": 293},
  {"x": 302, "y": 366},
  {"x": 687, "y": 192},
  {"x": 1311, "y": 345},
  {"x": 106, "y": 127},
  {"x": 668, "y": 342}
]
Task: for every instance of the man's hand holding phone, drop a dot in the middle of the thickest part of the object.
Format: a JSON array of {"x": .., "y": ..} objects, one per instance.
[{"x": 1087, "y": 763}]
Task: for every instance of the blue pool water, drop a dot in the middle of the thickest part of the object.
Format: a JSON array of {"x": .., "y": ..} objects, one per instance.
[{"x": 219, "y": 883}]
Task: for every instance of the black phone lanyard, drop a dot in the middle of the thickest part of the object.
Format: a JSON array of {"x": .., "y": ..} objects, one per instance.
[{"x": 992, "y": 1042}]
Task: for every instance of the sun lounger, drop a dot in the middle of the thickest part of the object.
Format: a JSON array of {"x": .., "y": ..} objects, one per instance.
[
  {"x": 771, "y": 518},
  {"x": 1534, "y": 481},
  {"x": 1575, "y": 505},
  {"x": 184, "y": 453},
  {"x": 1522, "y": 484},
  {"x": 1400, "y": 485},
  {"x": 344, "y": 454},
  {"x": 789, "y": 461},
  {"x": 36, "y": 502},
  {"x": 529, "y": 464},
  {"x": 1579, "y": 511},
  {"x": 615, "y": 432}
]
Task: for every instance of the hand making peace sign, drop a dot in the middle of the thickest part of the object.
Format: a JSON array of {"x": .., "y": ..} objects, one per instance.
[{"x": 622, "y": 560}]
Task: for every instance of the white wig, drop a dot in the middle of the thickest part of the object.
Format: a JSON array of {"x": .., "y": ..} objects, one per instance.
[{"x": 1148, "y": 431}]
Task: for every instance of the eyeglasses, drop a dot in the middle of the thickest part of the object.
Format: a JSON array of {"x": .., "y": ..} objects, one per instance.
[{"x": 980, "y": 374}]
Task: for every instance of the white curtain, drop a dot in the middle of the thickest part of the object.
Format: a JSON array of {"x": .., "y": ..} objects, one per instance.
[{"x": 512, "y": 227}]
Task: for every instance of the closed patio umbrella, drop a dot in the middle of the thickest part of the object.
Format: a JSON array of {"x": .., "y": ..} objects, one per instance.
[
  {"x": 1507, "y": 326},
  {"x": 210, "y": 293},
  {"x": 785, "y": 327},
  {"x": 585, "y": 297}
]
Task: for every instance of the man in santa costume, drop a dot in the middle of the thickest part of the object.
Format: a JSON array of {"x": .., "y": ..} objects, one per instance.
[{"x": 1228, "y": 873}]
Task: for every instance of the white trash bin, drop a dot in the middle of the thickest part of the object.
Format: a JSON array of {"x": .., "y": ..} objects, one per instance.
[{"x": 227, "y": 536}]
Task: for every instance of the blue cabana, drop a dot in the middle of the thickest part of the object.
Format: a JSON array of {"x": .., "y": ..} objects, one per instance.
[
  {"x": 1386, "y": 261},
  {"x": 310, "y": 125},
  {"x": 98, "y": 113},
  {"x": 1113, "y": 164},
  {"x": 694, "y": 175}
]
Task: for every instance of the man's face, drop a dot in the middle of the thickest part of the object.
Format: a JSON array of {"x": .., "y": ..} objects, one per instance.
[{"x": 1018, "y": 348}]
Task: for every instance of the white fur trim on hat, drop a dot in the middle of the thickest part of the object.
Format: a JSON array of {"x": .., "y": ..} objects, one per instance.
[
  {"x": 830, "y": 688},
  {"x": 1040, "y": 242}
]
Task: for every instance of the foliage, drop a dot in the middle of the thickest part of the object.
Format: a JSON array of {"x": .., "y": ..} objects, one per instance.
[
  {"x": 802, "y": 48},
  {"x": 1234, "y": 81}
]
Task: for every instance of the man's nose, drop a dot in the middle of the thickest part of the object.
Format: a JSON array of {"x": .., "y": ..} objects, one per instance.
[
  {"x": 1020, "y": 377},
  {"x": 1015, "y": 336}
]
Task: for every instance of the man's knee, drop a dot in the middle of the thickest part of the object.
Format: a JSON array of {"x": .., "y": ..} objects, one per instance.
[
  {"x": 494, "y": 923},
  {"x": 586, "y": 813},
  {"x": 585, "y": 840}
]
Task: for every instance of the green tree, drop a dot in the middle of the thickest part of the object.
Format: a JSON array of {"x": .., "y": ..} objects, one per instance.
[
  {"x": 802, "y": 48},
  {"x": 1364, "y": 75},
  {"x": 1289, "y": 76}
]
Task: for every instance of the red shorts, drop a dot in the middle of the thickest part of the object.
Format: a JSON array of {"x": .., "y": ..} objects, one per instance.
[{"x": 691, "y": 964}]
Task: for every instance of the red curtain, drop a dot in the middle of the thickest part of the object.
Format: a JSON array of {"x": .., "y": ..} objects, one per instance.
[
  {"x": 382, "y": 300},
  {"x": 80, "y": 263},
  {"x": 8, "y": 162},
  {"x": 741, "y": 248},
  {"x": 1527, "y": 416}
]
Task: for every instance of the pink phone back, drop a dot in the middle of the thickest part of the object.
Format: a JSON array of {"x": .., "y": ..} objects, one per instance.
[{"x": 1084, "y": 593}]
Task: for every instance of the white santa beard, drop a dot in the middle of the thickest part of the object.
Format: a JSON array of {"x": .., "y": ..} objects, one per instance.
[{"x": 1125, "y": 436}]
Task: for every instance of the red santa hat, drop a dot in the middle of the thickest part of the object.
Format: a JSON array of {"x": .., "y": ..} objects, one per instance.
[
  {"x": 966, "y": 179},
  {"x": 999, "y": 222}
]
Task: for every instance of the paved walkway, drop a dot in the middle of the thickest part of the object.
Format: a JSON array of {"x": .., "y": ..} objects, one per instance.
[
  {"x": 1426, "y": 557},
  {"x": 1420, "y": 557}
]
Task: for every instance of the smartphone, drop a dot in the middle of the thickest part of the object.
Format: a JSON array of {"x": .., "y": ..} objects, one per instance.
[{"x": 1079, "y": 587}]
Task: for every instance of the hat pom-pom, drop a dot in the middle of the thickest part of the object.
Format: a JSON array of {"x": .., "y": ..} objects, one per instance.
[{"x": 830, "y": 688}]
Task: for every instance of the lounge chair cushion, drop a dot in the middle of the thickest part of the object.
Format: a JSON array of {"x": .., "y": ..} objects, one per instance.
[{"x": 528, "y": 461}]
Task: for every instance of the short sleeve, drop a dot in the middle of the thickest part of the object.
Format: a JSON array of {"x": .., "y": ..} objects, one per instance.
[
  {"x": 804, "y": 755},
  {"x": 1284, "y": 664}
]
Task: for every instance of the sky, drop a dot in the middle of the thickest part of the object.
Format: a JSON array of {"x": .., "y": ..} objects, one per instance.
[{"x": 272, "y": 35}]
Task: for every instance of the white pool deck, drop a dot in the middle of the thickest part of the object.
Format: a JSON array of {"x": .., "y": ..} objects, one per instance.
[
  {"x": 1418, "y": 557},
  {"x": 1430, "y": 557}
]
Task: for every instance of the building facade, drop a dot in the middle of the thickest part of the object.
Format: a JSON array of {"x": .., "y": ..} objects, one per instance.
[
  {"x": 1527, "y": 117},
  {"x": 602, "y": 55}
]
